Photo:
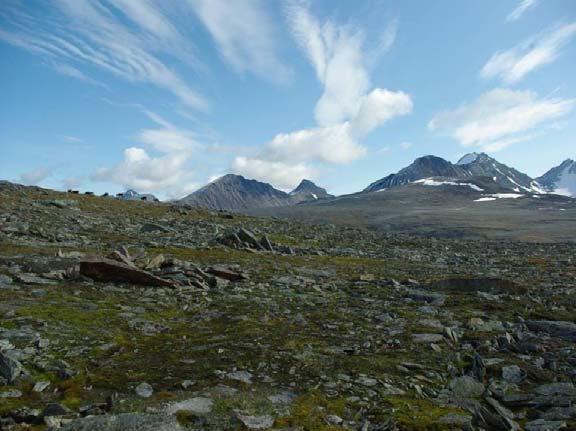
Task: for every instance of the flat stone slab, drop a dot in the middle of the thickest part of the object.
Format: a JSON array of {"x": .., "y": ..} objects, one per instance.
[
  {"x": 198, "y": 405},
  {"x": 108, "y": 270},
  {"x": 427, "y": 338}
]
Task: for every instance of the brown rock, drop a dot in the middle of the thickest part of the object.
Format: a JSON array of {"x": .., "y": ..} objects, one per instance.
[
  {"x": 107, "y": 270},
  {"x": 226, "y": 273}
]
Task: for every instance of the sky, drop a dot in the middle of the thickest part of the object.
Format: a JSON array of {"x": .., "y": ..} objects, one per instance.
[{"x": 164, "y": 96}]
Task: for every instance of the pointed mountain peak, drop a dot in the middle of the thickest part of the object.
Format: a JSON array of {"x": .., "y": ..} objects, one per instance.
[
  {"x": 468, "y": 158},
  {"x": 307, "y": 187}
]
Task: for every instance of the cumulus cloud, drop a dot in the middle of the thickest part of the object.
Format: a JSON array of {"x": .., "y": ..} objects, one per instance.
[
  {"x": 500, "y": 118},
  {"x": 123, "y": 38},
  {"x": 513, "y": 64},
  {"x": 244, "y": 34},
  {"x": 286, "y": 176},
  {"x": 346, "y": 112},
  {"x": 378, "y": 107},
  {"x": 35, "y": 176},
  {"x": 522, "y": 7},
  {"x": 331, "y": 144},
  {"x": 165, "y": 168}
]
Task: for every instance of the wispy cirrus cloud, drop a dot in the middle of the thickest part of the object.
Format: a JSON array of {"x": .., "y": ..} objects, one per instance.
[
  {"x": 348, "y": 109},
  {"x": 513, "y": 64},
  {"x": 522, "y": 7},
  {"x": 500, "y": 118},
  {"x": 77, "y": 33},
  {"x": 245, "y": 36}
]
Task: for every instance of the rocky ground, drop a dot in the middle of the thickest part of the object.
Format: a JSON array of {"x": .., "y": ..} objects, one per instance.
[{"x": 118, "y": 315}]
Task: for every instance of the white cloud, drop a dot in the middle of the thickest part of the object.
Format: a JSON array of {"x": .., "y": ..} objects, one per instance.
[
  {"x": 336, "y": 55},
  {"x": 379, "y": 106},
  {"x": 72, "y": 139},
  {"x": 347, "y": 110},
  {"x": 515, "y": 63},
  {"x": 406, "y": 145},
  {"x": 522, "y": 7},
  {"x": 500, "y": 118},
  {"x": 95, "y": 33},
  {"x": 72, "y": 72},
  {"x": 331, "y": 144},
  {"x": 244, "y": 34},
  {"x": 285, "y": 176},
  {"x": 35, "y": 176},
  {"x": 145, "y": 172}
]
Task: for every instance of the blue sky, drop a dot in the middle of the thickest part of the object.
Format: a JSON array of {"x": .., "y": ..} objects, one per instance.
[{"x": 164, "y": 96}]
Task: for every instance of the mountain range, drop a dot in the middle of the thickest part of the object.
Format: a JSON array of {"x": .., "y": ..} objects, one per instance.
[{"x": 236, "y": 193}]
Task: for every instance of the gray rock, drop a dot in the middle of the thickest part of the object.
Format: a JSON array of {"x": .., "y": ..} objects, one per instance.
[
  {"x": 153, "y": 227},
  {"x": 198, "y": 406},
  {"x": 559, "y": 413},
  {"x": 34, "y": 279},
  {"x": 40, "y": 386},
  {"x": 427, "y": 338},
  {"x": 10, "y": 367},
  {"x": 425, "y": 296},
  {"x": 563, "y": 388},
  {"x": 256, "y": 422},
  {"x": 144, "y": 390},
  {"x": 513, "y": 374},
  {"x": 11, "y": 393},
  {"x": 4, "y": 279},
  {"x": 561, "y": 329},
  {"x": 241, "y": 376},
  {"x": 543, "y": 425},
  {"x": 466, "y": 387},
  {"x": 285, "y": 397},
  {"x": 456, "y": 419},
  {"x": 125, "y": 422}
]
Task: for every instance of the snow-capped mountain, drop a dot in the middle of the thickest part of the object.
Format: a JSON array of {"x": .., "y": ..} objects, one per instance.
[
  {"x": 561, "y": 179},
  {"x": 480, "y": 164},
  {"x": 471, "y": 165},
  {"x": 421, "y": 168}
]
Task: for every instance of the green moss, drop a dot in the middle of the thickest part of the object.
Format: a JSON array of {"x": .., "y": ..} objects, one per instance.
[
  {"x": 420, "y": 415},
  {"x": 310, "y": 410}
]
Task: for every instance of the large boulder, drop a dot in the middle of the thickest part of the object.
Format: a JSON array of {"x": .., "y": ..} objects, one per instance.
[
  {"x": 560, "y": 329},
  {"x": 108, "y": 270},
  {"x": 10, "y": 367}
]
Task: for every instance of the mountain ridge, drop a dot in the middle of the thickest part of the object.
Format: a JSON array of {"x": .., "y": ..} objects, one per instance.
[{"x": 233, "y": 192}]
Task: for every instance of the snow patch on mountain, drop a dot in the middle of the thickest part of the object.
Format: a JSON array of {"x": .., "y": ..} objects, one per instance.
[
  {"x": 433, "y": 182},
  {"x": 495, "y": 196}
]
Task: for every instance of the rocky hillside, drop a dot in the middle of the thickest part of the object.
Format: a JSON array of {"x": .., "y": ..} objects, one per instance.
[
  {"x": 560, "y": 179},
  {"x": 475, "y": 207},
  {"x": 124, "y": 315},
  {"x": 471, "y": 165}
]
